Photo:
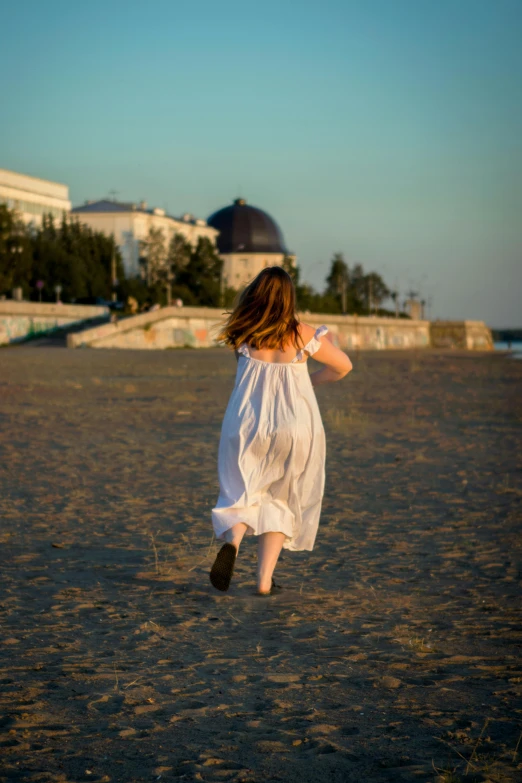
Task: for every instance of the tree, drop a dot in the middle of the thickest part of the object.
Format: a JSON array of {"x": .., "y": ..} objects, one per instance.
[
  {"x": 69, "y": 268},
  {"x": 75, "y": 257},
  {"x": 104, "y": 263},
  {"x": 308, "y": 300},
  {"x": 84, "y": 262},
  {"x": 203, "y": 274},
  {"x": 359, "y": 289},
  {"x": 338, "y": 282},
  {"x": 71, "y": 255},
  {"x": 15, "y": 251},
  {"x": 347, "y": 290},
  {"x": 153, "y": 253},
  {"x": 289, "y": 265},
  {"x": 178, "y": 254},
  {"x": 377, "y": 290}
]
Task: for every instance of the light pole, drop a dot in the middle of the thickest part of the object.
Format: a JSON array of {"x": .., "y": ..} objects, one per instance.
[
  {"x": 17, "y": 251},
  {"x": 395, "y": 298},
  {"x": 114, "y": 280},
  {"x": 222, "y": 287},
  {"x": 58, "y": 291}
]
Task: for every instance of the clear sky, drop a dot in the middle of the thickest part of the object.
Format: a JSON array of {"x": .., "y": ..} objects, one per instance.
[{"x": 390, "y": 130}]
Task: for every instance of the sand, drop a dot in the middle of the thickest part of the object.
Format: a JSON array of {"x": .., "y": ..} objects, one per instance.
[{"x": 393, "y": 652}]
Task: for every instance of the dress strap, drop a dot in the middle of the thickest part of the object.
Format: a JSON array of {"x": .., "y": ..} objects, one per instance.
[
  {"x": 313, "y": 345},
  {"x": 243, "y": 350}
]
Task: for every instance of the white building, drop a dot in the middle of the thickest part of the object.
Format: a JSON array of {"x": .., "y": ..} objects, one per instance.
[
  {"x": 130, "y": 225},
  {"x": 249, "y": 240},
  {"x": 32, "y": 197}
]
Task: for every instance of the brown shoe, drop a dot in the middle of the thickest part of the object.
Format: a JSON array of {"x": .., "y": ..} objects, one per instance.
[{"x": 223, "y": 568}]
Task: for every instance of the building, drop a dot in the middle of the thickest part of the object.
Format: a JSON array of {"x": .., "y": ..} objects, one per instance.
[
  {"x": 249, "y": 240},
  {"x": 415, "y": 309},
  {"x": 32, "y": 197},
  {"x": 130, "y": 225}
]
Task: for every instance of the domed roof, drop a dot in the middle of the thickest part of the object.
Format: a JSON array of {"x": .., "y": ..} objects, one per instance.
[{"x": 246, "y": 229}]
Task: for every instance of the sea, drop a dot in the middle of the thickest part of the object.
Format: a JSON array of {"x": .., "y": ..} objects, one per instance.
[{"x": 515, "y": 348}]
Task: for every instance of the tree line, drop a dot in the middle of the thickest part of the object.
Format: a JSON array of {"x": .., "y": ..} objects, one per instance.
[
  {"x": 86, "y": 264},
  {"x": 82, "y": 262},
  {"x": 348, "y": 290}
]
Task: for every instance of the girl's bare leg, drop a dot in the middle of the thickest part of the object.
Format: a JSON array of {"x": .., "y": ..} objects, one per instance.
[
  {"x": 268, "y": 550},
  {"x": 234, "y": 535}
]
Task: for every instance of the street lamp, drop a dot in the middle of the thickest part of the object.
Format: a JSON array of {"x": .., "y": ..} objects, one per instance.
[
  {"x": 395, "y": 297},
  {"x": 17, "y": 250},
  {"x": 58, "y": 291},
  {"x": 114, "y": 279}
]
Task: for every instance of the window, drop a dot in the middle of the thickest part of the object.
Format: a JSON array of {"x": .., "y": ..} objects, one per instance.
[{"x": 33, "y": 208}]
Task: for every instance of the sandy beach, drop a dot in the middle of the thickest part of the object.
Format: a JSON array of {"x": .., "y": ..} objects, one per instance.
[{"x": 393, "y": 652}]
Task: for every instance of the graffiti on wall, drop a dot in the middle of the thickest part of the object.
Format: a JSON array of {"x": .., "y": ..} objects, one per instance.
[{"x": 15, "y": 328}]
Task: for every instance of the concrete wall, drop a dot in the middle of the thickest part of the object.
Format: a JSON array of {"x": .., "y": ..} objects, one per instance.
[
  {"x": 196, "y": 327},
  {"x": 466, "y": 335},
  {"x": 20, "y": 320},
  {"x": 173, "y": 327}
]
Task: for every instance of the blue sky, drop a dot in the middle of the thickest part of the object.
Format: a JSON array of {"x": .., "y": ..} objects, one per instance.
[{"x": 389, "y": 130}]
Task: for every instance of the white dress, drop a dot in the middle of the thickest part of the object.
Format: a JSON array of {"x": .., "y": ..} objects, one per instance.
[{"x": 272, "y": 451}]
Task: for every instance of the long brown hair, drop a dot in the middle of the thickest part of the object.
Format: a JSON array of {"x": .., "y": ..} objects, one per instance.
[{"x": 264, "y": 313}]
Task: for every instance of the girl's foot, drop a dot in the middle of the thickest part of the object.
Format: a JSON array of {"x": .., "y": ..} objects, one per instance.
[
  {"x": 274, "y": 589},
  {"x": 268, "y": 550},
  {"x": 223, "y": 568}
]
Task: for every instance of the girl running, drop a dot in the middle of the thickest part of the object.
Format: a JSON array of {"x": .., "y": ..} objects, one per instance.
[{"x": 272, "y": 447}]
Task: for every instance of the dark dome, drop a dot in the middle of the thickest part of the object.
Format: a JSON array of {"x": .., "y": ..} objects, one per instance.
[{"x": 245, "y": 229}]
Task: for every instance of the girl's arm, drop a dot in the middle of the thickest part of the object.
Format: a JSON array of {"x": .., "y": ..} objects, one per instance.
[{"x": 336, "y": 362}]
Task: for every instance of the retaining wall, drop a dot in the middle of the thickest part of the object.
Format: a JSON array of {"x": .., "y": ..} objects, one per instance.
[
  {"x": 195, "y": 327},
  {"x": 21, "y": 320},
  {"x": 466, "y": 335}
]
